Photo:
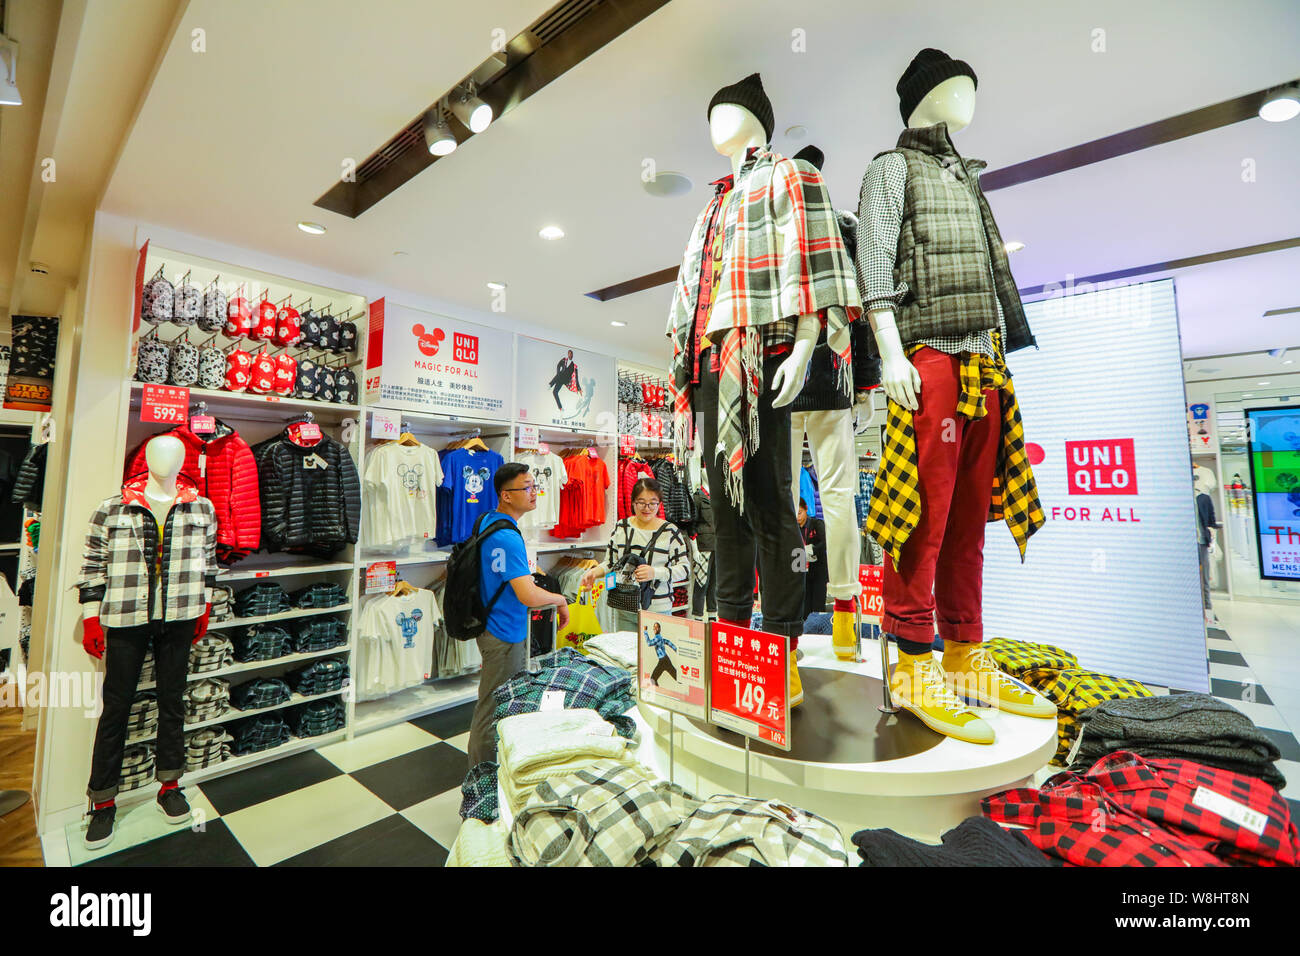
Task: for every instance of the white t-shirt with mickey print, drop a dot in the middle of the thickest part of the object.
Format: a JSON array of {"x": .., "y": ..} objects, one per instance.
[
  {"x": 400, "y": 493},
  {"x": 550, "y": 476}
]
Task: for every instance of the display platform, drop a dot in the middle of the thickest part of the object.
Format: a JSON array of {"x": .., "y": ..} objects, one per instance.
[{"x": 849, "y": 762}]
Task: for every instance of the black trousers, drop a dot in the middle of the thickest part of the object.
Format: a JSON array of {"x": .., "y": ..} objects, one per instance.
[
  {"x": 126, "y": 648},
  {"x": 664, "y": 665},
  {"x": 707, "y": 596},
  {"x": 767, "y": 534}
]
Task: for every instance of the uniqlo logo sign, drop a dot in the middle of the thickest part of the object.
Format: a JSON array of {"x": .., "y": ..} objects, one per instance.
[
  {"x": 465, "y": 348},
  {"x": 1106, "y": 467}
]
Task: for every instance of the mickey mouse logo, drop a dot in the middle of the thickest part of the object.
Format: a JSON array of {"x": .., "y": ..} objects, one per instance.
[
  {"x": 410, "y": 477},
  {"x": 428, "y": 342},
  {"x": 474, "y": 482}
]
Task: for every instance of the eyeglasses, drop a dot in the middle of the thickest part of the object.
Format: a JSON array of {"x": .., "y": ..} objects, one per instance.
[
  {"x": 650, "y": 505},
  {"x": 530, "y": 488}
]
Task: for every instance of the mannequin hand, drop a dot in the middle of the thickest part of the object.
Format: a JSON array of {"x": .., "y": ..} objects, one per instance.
[
  {"x": 788, "y": 381},
  {"x": 92, "y": 637},
  {"x": 644, "y": 573},
  {"x": 898, "y": 376},
  {"x": 201, "y": 625}
]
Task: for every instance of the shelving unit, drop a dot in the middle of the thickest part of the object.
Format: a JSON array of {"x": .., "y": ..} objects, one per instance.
[
  {"x": 281, "y": 616},
  {"x": 252, "y": 666},
  {"x": 231, "y": 713}
]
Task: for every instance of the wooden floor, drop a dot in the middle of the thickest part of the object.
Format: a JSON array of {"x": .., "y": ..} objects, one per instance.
[{"x": 19, "y": 845}]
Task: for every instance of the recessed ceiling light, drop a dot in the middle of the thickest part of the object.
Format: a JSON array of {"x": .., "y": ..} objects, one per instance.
[
  {"x": 1281, "y": 105},
  {"x": 1015, "y": 245},
  {"x": 1288, "y": 362},
  {"x": 1247, "y": 394},
  {"x": 1264, "y": 383},
  {"x": 1209, "y": 369},
  {"x": 401, "y": 252},
  {"x": 797, "y": 132},
  {"x": 551, "y": 232},
  {"x": 668, "y": 184},
  {"x": 616, "y": 323},
  {"x": 312, "y": 228},
  {"x": 496, "y": 285}
]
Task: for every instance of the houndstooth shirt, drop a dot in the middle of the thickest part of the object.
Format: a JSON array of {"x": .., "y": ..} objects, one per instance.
[{"x": 119, "y": 563}]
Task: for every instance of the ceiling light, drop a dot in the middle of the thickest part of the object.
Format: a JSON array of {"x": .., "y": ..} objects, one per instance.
[
  {"x": 312, "y": 228},
  {"x": 437, "y": 133},
  {"x": 616, "y": 323},
  {"x": 1289, "y": 362},
  {"x": 401, "y": 252},
  {"x": 471, "y": 110},
  {"x": 1015, "y": 245},
  {"x": 551, "y": 232},
  {"x": 1263, "y": 383},
  {"x": 9, "y": 95},
  {"x": 1247, "y": 394},
  {"x": 797, "y": 132},
  {"x": 496, "y": 285},
  {"x": 1281, "y": 105},
  {"x": 1213, "y": 368},
  {"x": 668, "y": 184}
]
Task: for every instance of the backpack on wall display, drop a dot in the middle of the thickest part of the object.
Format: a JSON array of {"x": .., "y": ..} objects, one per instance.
[
  {"x": 184, "y": 364},
  {"x": 263, "y": 329},
  {"x": 187, "y": 304},
  {"x": 239, "y": 370},
  {"x": 156, "y": 300},
  {"x": 288, "y": 326},
  {"x": 262, "y": 374},
  {"x": 345, "y": 386},
  {"x": 153, "y": 361},
  {"x": 213, "y": 316},
  {"x": 239, "y": 318},
  {"x": 347, "y": 336},
  {"x": 463, "y": 609},
  {"x": 212, "y": 367},
  {"x": 286, "y": 372},
  {"x": 308, "y": 379}
]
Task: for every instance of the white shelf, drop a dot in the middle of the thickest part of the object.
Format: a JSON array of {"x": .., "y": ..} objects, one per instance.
[
  {"x": 415, "y": 702},
  {"x": 285, "y": 570},
  {"x": 428, "y": 557},
  {"x": 295, "y": 745},
  {"x": 253, "y": 400},
  {"x": 282, "y": 616},
  {"x": 256, "y": 665},
  {"x": 233, "y": 714},
  {"x": 442, "y": 418}
]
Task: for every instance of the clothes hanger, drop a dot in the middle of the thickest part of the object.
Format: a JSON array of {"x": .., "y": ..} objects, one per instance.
[{"x": 402, "y": 589}]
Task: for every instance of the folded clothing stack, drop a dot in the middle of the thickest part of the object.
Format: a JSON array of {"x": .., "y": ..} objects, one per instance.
[
  {"x": 206, "y": 747},
  {"x": 617, "y": 649},
  {"x": 148, "y": 668},
  {"x": 316, "y": 717},
  {"x": 319, "y": 634},
  {"x": 223, "y": 600},
  {"x": 480, "y": 844},
  {"x": 137, "y": 767},
  {"x": 551, "y": 743},
  {"x": 976, "y": 841},
  {"x": 257, "y": 733},
  {"x": 206, "y": 699},
  {"x": 320, "y": 594},
  {"x": 320, "y": 677},
  {"x": 1190, "y": 726},
  {"x": 259, "y": 693},
  {"x": 478, "y": 793},
  {"x": 142, "y": 720},
  {"x": 262, "y": 642},
  {"x": 261, "y": 599},
  {"x": 211, "y": 652}
]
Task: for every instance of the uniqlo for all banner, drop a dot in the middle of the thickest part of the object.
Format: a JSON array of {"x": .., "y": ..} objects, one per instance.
[
  {"x": 430, "y": 363},
  {"x": 1113, "y": 575},
  {"x": 672, "y": 663},
  {"x": 749, "y": 683}
]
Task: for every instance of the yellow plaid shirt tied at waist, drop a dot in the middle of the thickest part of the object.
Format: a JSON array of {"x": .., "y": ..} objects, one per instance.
[{"x": 895, "y": 506}]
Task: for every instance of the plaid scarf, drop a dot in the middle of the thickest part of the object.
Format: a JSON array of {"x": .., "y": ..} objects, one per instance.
[
  {"x": 783, "y": 257},
  {"x": 895, "y": 505}
]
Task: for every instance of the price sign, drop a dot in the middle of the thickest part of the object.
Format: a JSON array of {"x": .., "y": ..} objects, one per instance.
[
  {"x": 203, "y": 424},
  {"x": 381, "y": 577},
  {"x": 309, "y": 431},
  {"x": 672, "y": 661},
  {"x": 385, "y": 425},
  {"x": 528, "y": 436},
  {"x": 166, "y": 404},
  {"x": 749, "y": 683},
  {"x": 626, "y": 445},
  {"x": 872, "y": 579}
]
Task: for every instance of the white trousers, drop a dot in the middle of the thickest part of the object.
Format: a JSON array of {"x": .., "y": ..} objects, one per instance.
[{"x": 834, "y": 455}]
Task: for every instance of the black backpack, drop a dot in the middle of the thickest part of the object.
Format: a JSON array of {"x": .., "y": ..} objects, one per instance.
[{"x": 463, "y": 609}]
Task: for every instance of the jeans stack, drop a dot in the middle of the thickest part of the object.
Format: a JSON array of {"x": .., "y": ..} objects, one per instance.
[
  {"x": 262, "y": 732},
  {"x": 319, "y": 634},
  {"x": 316, "y": 717},
  {"x": 260, "y": 693},
  {"x": 137, "y": 766},
  {"x": 223, "y": 601},
  {"x": 211, "y": 653},
  {"x": 261, "y": 599},
  {"x": 206, "y": 699},
  {"x": 320, "y": 595},
  {"x": 320, "y": 677},
  {"x": 262, "y": 642},
  {"x": 143, "y": 718},
  {"x": 206, "y": 747}
]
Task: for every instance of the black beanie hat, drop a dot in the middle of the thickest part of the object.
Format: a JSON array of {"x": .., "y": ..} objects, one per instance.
[
  {"x": 927, "y": 70},
  {"x": 749, "y": 94},
  {"x": 811, "y": 154}
]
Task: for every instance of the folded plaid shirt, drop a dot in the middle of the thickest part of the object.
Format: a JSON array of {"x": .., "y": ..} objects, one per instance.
[
  {"x": 223, "y": 598},
  {"x": 262, "y": 642},
  {"x": 316, "y": 717},
  {"x": 320, "y": 634},
  {"x": 585, "y": 682},
  {"x": 1074, "y": 690},
  {"x": 478, "y": 793},
  {"x": 895, "y": 505},
  {"x": 206, "y": 747},
  {"x": 262, "y": 732},
  {"x": 1027, "y": 661},
  {"x": 609, "y": 814},
  {"x": 319, "y": 677},
  {"x": 137, "y": 767},
  {"x": 261, "y": 599},
  {"x": 210, "y": 653},
  {"x": 743, "y": 831},
  {"x": 319, "y": 595},
  {"x": 148, "y": 668},
  {"x": 262, "y": 692},
  {"x": 206, "y": 699}
]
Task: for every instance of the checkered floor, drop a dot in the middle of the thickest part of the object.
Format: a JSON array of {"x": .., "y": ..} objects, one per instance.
[{"x": 391, "y": 798}]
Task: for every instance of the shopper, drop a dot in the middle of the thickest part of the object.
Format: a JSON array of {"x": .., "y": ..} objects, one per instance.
[
  {"x": 504, "y": 645},
  {"x": 645, "y": 551},
  {"x": 813, "y": 530}
]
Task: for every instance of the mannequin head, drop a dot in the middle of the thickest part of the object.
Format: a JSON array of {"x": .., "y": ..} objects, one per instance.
[
  {"x": 165, "y": 455},
  {"x": 951, "y": 102},
  {"x": 734, "y": 129}
]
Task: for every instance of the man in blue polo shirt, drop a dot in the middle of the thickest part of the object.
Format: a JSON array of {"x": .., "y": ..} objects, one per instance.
[{"x": 503, "y": 561}]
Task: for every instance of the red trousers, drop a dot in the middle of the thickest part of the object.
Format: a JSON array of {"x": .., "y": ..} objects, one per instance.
[{"x": 941, "y": 574}]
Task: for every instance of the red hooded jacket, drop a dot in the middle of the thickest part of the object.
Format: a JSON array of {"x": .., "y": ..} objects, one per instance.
[{"x": 223, "y": 470}]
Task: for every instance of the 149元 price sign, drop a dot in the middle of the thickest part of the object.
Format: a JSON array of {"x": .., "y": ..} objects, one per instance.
[{"x": 749, "y": 683}]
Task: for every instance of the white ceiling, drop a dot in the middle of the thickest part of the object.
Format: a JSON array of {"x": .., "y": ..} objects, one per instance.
[{"x": 237, "y": 142}]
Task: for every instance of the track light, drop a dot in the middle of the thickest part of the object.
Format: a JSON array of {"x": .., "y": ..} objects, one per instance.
[
  {"x": 9, "y": 95},
  {"x": 1282, "y": 104},
  {"x": 437, "y": 134},
  {"x": 469, "y": 109}
]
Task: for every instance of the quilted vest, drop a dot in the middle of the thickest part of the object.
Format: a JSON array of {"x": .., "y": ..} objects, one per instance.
[{"x": 944, "y": 247}]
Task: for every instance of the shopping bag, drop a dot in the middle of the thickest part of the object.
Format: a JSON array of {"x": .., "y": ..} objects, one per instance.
[{"x": 582, "y": 623}]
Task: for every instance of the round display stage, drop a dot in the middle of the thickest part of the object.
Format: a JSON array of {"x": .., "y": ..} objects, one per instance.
[{"x": 849, "y": 762}]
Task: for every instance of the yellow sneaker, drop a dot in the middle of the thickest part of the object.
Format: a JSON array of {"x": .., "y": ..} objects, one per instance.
[
  {"x": 917, "y": 684},
  {"x": 843, "y": 640},
  {"x": 972, "y": 674},
  {"x": 796, "y": 685}
]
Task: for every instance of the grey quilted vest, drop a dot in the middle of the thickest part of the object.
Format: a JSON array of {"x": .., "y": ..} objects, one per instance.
[{"x": 944, "y": 244}]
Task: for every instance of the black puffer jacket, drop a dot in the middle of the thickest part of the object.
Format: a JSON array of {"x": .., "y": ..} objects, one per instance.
[
  {"x": 307, "y": 507},
  {"x": 29, "y": 486}
]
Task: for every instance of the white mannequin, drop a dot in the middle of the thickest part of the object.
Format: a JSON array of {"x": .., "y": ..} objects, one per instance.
[
  {"x": 1204, "y": 483},
  {"x": 951, "y": 102},
  {"x": 165, "y": 456},
  {"x": 734, "y": 130}
]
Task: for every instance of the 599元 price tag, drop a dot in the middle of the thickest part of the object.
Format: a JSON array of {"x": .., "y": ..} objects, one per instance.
[{"x": 166, "y": 404}]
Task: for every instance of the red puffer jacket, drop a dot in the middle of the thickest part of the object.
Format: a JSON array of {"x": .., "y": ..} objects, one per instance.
[{"x": 223, "y": 470}]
